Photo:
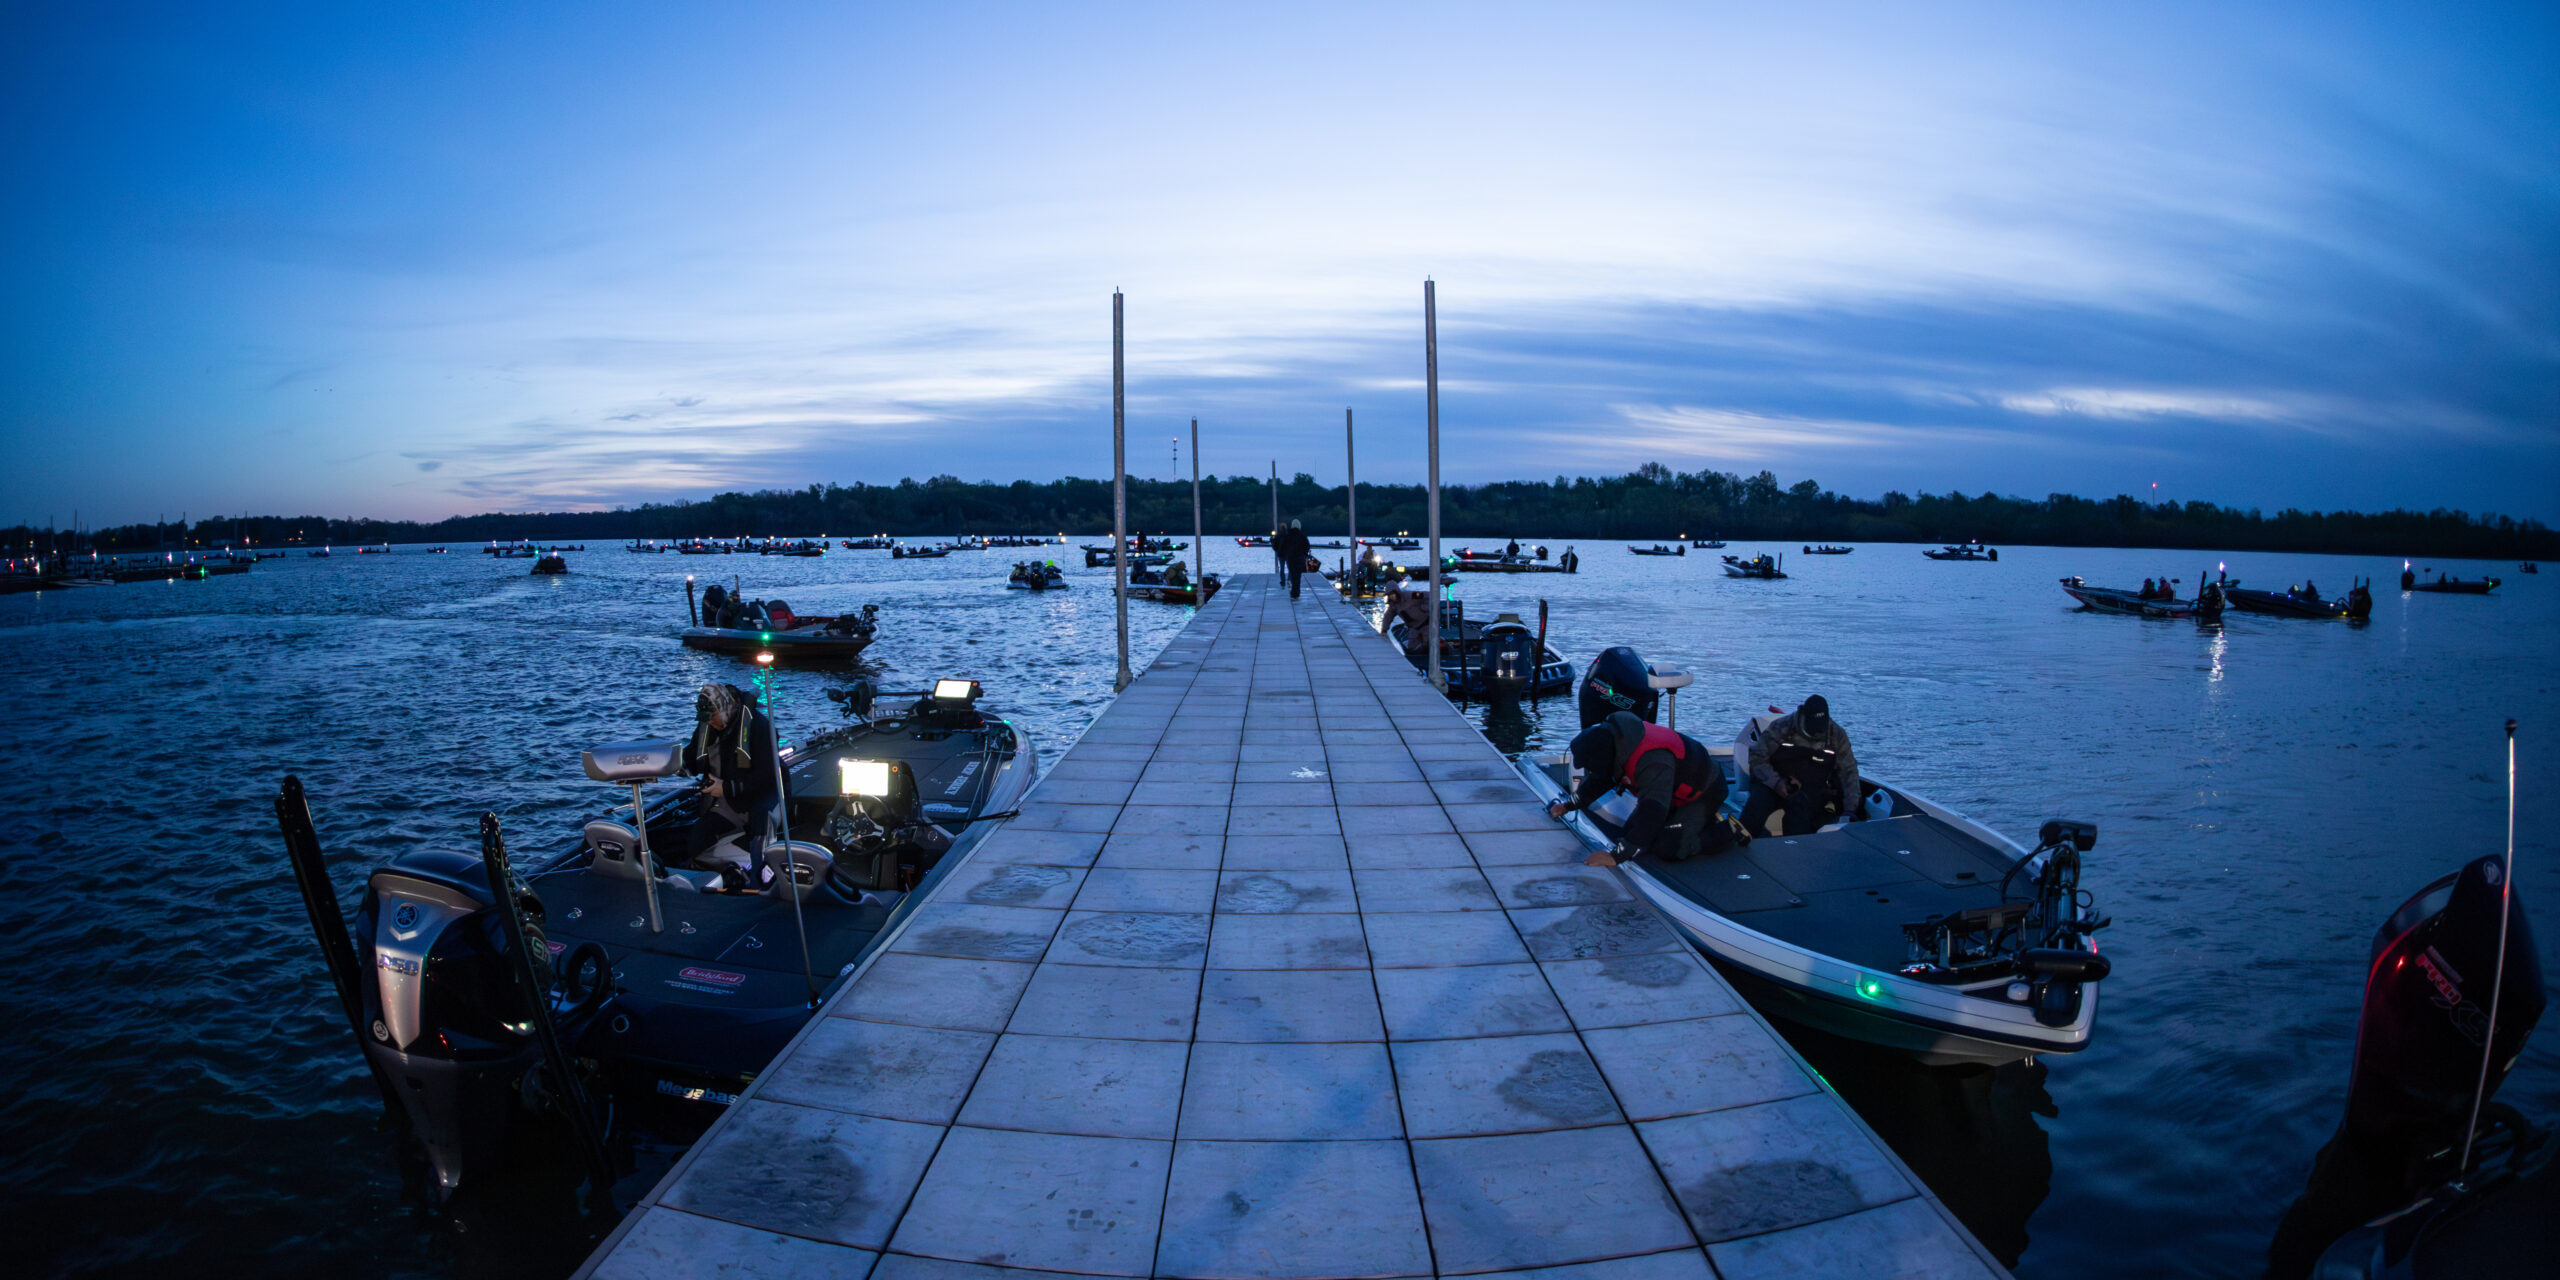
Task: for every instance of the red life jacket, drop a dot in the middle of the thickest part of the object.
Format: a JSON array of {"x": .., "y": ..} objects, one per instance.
[{"x": 1658, "y": 738}]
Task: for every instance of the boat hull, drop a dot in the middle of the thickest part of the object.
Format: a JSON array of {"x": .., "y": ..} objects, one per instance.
[
  {"x": 2109, "y": 600},
  {"x": 1933, "y": 1023},
  {"x": 782, "y": 644}
]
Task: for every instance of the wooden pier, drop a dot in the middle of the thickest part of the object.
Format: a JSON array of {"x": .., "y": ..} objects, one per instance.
[{"x": 1281, "y": 972}]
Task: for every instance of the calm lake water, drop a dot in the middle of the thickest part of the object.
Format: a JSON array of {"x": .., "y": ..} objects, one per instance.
[{"x": 176, "y": 1084}]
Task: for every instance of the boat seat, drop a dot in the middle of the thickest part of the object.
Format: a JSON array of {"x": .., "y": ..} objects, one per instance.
[
  {"x": 615, "y": 850},
  {"x": 814, "y": 863}
]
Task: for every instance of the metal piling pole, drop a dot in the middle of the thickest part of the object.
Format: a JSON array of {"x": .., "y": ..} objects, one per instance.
[
  {"x": 1119, "y": 495},
  {"x": 1431, "y": 401},
  {"x": 1199, "y": 545}
]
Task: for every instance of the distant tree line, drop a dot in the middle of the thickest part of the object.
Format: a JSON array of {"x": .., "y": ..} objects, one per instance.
[{"x": 1651, "y": 503}]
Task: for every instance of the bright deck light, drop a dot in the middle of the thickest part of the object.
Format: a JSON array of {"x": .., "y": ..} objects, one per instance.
[
  {"x": 954, "y": 690},
  {"x": 863, "y": 777}
]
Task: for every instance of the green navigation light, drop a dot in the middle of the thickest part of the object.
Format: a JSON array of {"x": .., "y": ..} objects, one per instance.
[{"x": 1870, "y": 988}]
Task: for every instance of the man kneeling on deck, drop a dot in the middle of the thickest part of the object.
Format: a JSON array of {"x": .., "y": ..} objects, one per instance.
[
  {"x": 1679, "y": 791},
  {"x": 1801, "y": 765}
]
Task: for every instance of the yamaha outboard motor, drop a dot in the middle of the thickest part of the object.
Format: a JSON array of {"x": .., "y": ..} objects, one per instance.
[
  {"x": 2419, "y": 1045},
  {"x": 1618, "y": 682},
  {"x": 444, "y": 1020}
]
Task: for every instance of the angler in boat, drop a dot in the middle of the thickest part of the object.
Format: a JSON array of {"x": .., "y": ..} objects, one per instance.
[
  {"x": 1172, "y": 585},
  {"x": 1964, "y": 551},
  {"x": 1658, "y": 549},
  {"x": 1678, "y": 788},
  {"x": 739, "y": 784},
  {"x": 551, "y": 562},
  {"x": 2156, "y": 599},
  {"x": 1036, "y": 575},
  {"x": 1802, "y": 773},
  {"x": 662, "y": 987},
  {"x": 1763, "y": 566},
  {"x": 728, "y": 623},
  {"x": 1497, "y": 662},
  {"x": 2443, "y": 585},
  {"x": 1917, "y": 930},
  {"x": 2303, "y": 601}
]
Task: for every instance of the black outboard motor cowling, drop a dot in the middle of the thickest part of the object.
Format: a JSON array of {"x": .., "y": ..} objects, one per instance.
[
  {"x": 1617, "y": 682},
  {"x": 445, "y": 1021},
  {"x": 2417, "y": 1063},
  {"x": 2426, "y": 1009},
  {"x": 1510, "y": 658}
]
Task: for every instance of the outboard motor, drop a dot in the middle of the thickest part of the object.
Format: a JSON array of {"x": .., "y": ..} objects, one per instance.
[
  {"x": 2419, "y": 1045},
  {"x": 2426, "y": 1001},
  {"x": 1618, "y": 681},
  {"x": 444, "y": 1019},
  {"x": 1510, "y": 658}
]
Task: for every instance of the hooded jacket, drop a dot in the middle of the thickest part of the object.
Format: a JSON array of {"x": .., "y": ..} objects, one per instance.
[
  {"x": 741, "y": 757},
  {"x": 1658, "y": 777},
  {"x": 1788, "y": 730}
]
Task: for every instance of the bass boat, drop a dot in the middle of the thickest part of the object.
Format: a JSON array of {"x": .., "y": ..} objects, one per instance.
[
  {"x": 1101, "y": 557},
  {"x": 2117, "y": 600},
  {"x": 2300, "y": 602},
  {"x": 1149, "y": 584},
  {"x": 662, "y": 989},
  {"x": 1760, "y": 566},
  {"x": 1658, "y": 549},
  {"x": 1963, "y": 551},
  {"x": 729, "y": 625},
  {"x": 1497, "y": 662},
  {"x": 1918, "y": 929},
  {"x": 2444, "y": 586},
  {"x": 1029, "y": 575},
  {"x": 1828, "y": 550}
]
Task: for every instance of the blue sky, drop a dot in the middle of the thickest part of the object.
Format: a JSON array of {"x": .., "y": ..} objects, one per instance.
[{"x": 399, "y": 263}]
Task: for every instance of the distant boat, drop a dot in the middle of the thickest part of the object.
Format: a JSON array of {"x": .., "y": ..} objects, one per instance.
[
  {"x": 2444, "y": 586},
  {"x": 1761, "y": 566},
  {"x": 1964, "y": 551},
  {"x": 1827, "y": 549}
]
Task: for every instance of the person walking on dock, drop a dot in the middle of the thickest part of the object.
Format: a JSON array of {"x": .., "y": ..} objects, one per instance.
[{"x": 1290, "y": 545}]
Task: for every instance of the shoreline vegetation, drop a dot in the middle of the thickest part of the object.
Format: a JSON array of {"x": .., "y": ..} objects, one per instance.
[{"x": 1651, "y": 503}]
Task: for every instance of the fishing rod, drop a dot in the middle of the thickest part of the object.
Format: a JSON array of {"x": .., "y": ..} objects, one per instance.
[
  {"x": 782, "y": 820},
  {"x": 2498, "y": 977}
]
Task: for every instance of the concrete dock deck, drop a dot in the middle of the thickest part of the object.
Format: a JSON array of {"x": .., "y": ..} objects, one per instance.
[{"x": 1281, "y": 972}]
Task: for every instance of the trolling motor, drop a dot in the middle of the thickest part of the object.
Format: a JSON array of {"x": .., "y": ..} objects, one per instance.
[{"x": 2039, "y": 942}]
